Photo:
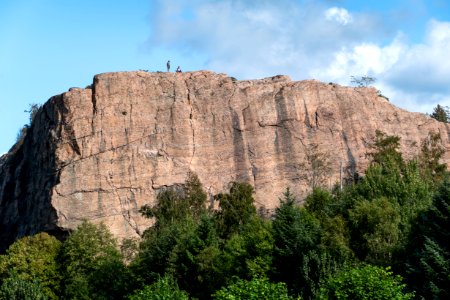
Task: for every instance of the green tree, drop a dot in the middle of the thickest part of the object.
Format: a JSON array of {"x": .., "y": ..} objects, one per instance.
[
  {"x": 195, "y": 259},
  {"x": 255, "y": 289},
  {"x": 15, "y": 288},
  {"x": 202, "y": 262},
  {"x": 155, "y": 250},
  {"x": 429, "y": 159},
  {"x": 195, "y": 195},
  {"x": 441, "y": 114},
  {"x": 92, "y": 264},
  {"x": 385, "y": 151},
  {"x": 176, "y": 203},
  {"x": 396, "y": 185},
  {"x": 165, "y": 288},
  {"x": 335, "y": 234},
  {"x": 365, "y": 282},
  {"x": 172, "y": 244},
  {"x": 170, "y": 207},
  {"x": 236, "y": 208},
  {"x": 320, "y": 202},
  {"x": 34, "y": 258},
  {"x": 299, "y": 259},
  {"x": 248, "y": 254},
  {"x": 428, "y": 255},
  {"x": 376, "y": 232}
]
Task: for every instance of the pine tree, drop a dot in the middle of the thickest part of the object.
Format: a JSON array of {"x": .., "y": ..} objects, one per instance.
[
  {"x": 297, "y": 259},
  {"x": 428, "y": 267},
  {"x": 441, "y": 114}
]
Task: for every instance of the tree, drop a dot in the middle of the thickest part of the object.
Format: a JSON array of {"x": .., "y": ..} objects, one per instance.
[
  {"x": 236, "y": 208},
  {"x": 156, "y": 247},
  {"x": 362, "y": 81},
  {"x": 318, "y": 167},
  {"x": 428, "y": 255},
  {"x": 33, "y": 110},
  {"x": 327, "y": 209},
  {"x": 320, "y": 202},
  {"x": 385, "y": 203},
  {"x": 255, "y": 289},
  {"x": 248, "y": 254},
  {"x": 298, "y": 259},
  {"x": 15, "y": 288},
  {"x": 375, "y": 229},
  {"x": 165, "y": 288},
  {"x": 441, "y": 113},
  {"x": 195, "y": 195},
  {"x": 34, "y": 258},
  {"x": 195, "y": 260},
  {"x": 385, "y": 151},
  {"x": 429, "y": 158},
  {"x": 166, "y": 247},
  {"x": 92, "y": 264},
  {"x": 365, "y": 282},
  {"x": 176, "y": 203}
]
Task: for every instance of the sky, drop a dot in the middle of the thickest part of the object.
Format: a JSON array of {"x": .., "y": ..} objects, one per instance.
[{"x": 49, "y": 46}]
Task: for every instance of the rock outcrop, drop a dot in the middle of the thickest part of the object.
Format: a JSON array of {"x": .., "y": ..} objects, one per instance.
[{"x": 102, "y": 152}]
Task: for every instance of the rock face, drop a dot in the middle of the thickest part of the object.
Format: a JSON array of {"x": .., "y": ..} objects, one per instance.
[{"x": 101, "y": 153}]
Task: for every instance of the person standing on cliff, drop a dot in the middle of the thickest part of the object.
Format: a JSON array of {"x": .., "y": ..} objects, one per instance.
[{"x": 168, "y": 66}]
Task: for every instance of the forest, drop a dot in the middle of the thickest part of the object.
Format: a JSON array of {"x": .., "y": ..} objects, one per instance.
[{"x": 383, "y": 235}]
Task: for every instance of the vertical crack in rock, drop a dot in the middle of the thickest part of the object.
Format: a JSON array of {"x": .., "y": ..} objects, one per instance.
[
  {"x": 248, "y": 118},
  {"x": 351, "y": 161},
  {"x": 284, "y": 136},
  {"x": 131, "y": 116},
  {"x": 251, "y": 156},
  {"x": 94, "y": 104},
  {"x": 191, "y": 121}
]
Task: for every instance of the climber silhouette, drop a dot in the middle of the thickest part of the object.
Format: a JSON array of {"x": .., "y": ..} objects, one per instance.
[{"x": 168, "y": 66}]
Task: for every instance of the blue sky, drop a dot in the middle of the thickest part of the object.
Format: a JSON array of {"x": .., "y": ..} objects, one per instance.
[{"x": 48, "y": 46}]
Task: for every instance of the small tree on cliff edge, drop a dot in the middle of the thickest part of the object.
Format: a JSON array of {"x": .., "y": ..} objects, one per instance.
[
  {"x": 363, "y": 81},
  {"x": 441, "y": 114}
]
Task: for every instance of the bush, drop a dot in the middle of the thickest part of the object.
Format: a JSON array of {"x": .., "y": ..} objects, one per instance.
[
  {"x": 165, "y": 288},
  {"x": 256, "y": 289},
  {"x": 366, "y": 282}
]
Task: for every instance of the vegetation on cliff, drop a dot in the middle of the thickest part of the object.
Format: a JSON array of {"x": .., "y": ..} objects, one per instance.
[{"x": 382, "y": 237}]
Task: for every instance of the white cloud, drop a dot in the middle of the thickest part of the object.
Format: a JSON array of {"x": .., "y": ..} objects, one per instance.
[
  {"x": 308, "y": 39},
  {"x": 255, "y": 40},
  {"x": 340, "y": 15},
  {"x": 415, "y": 77}
]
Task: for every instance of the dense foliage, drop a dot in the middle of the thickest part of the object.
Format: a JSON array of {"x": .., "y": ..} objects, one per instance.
[
  {"x": 365, "y": 283},
  {"x": 256, "y": 289},
  {"x": 383, "y": 236}
]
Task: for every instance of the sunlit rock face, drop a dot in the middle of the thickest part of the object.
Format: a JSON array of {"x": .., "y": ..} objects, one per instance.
[{"x": 100, "y": 153}]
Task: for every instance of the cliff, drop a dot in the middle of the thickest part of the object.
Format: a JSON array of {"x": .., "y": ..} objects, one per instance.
[{"x": 102, "y": 152}]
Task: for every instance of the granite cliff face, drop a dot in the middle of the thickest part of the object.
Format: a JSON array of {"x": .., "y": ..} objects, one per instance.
[{"x": 102, "y": 152}]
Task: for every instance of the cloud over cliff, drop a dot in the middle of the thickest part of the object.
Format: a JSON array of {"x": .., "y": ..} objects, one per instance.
[{"x": 309, "y": 39}]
